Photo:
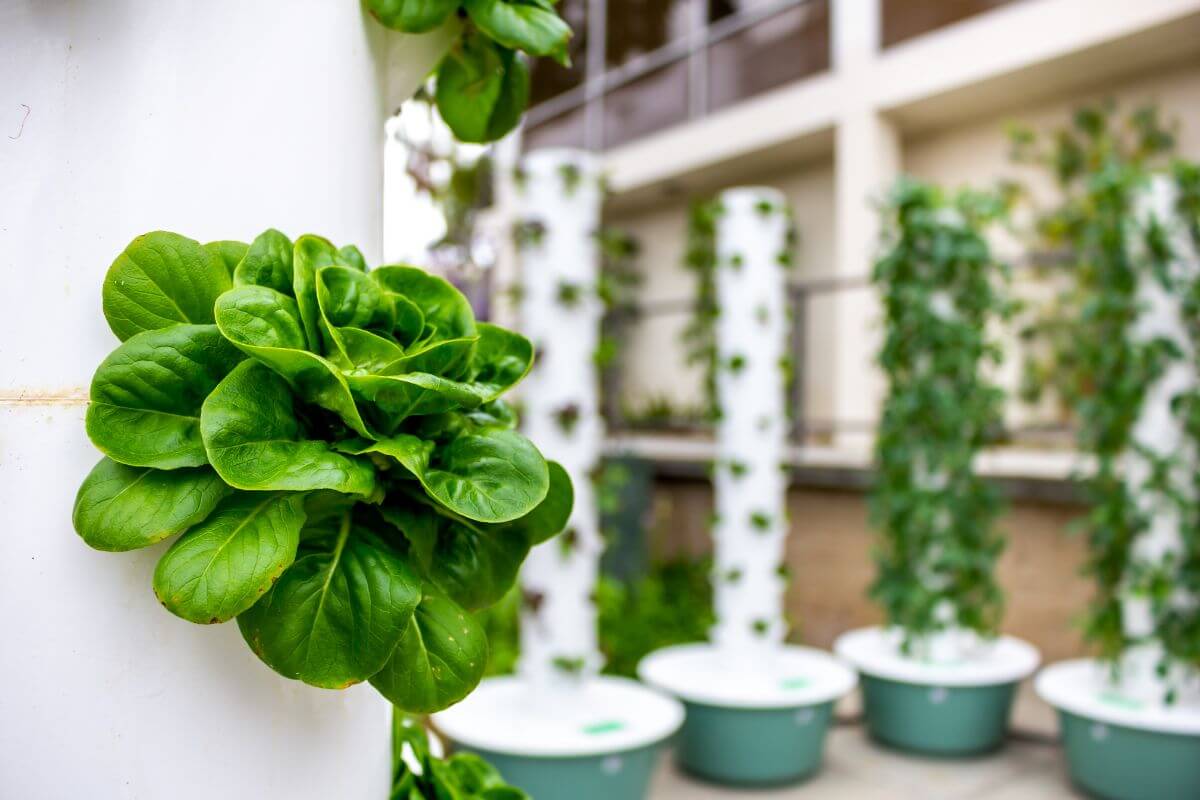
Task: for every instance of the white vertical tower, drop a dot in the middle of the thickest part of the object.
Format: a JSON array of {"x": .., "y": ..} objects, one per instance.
[
  {"x": 750, "y": 485},
  {"x": 1159, "y": 431},
  {"x": 215, "y": 120},
  {"x": 558, "y": 212}
]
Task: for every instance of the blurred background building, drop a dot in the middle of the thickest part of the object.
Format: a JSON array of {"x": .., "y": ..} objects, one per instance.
[{"x": 830, "y": 101}]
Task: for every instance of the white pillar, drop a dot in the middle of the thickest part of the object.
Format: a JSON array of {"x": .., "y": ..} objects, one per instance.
[
  {"x": 1159, "y": 430},
  {"x": 750, "y": 485},
  {"x": 558, "y": 212},
  {"x": 868, "y": 158},
  {"x": 216, "y": 120}
]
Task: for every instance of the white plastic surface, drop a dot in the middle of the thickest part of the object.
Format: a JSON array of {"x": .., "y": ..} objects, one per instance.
[
  {"x": 1083, "y": 687},
  {"x": 876, "y": 652},
  {"x": 1159, "y": 428},
  {"x": 787, "y": 676},
  {"x": 600, "y": 715},
  {"x": 216, "y": 120},
  {"x": 752, "y": 327},
  {"x": 563, "y": 623}
]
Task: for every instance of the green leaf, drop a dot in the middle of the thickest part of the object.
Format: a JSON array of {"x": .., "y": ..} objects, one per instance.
[
  {"x": 446, "y": 313},
  {"x": 501, "y": 359},
  {"x": 255, "y": 441},
  {"x": 411, "y": 16},
  {"x": 268, "y": 263},
  {"x": 487, "y": 475},
  {"x": 439, "y": 659},
  {"x": 550, "y": 516},
  {"x": 162, "y": 279},
  {"x": 221, "y": 567},
  {"x": 267, "y": 325},
  {"x": 335, "y": 616},
  {"x": 474, "y": 564},
  {"x": 123, "y": 508},
  {"x": 146, "y": 396},
  {"x": 310, "y": 254},
  {"x": 401, "y": 396},
  {"x": 229, "y": 251},
  {"x": 482, "y": 90},
  {"x": 522, "y": 26},
  {"x": 352, "y": 257}
]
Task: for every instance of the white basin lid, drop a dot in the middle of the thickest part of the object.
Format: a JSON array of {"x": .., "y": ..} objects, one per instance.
[
  {"x": 1081, "y": 687},
  {"x": 875, "y": 652},
  {"x": 597, "y": 716},
  {"x": 788, "y": 677}
]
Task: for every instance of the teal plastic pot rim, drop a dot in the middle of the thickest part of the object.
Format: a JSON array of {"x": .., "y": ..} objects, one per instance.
[
  {"x": 599, "y": 716},
  {"x": 1082, "y": 687},
  {"x": 875, "y": 652},
  {"x": 787, "y": 676}
]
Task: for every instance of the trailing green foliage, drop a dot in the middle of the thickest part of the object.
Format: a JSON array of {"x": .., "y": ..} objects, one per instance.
[
  {"x": 939, "y": 289},
  {"x": 700, "y": 257},
  {"x": 417, "y": 774},
  {"x": 670, "y": 605},
  {"x": 1083, "y": 352},
  {"x": 330, "y": 446},
  {"x": 482, "y": 83}
]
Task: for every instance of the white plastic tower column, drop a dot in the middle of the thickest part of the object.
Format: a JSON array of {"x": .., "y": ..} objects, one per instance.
[
  {"x": 750, "y": 485},
  {"x": 216, "y": 120},
  {"x": 747, "y": 666},
  {"x": 558, "y": 214},
  {"x": 1160, "y": 431},
  {"x": 557, "y": 706}
]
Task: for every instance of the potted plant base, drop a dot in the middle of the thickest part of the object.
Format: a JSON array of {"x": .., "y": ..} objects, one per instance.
[
  {"x": 750, "y": 721},
  {"x": 595, "y": 739},
  {"x": 955, "y": 707},
  {"x": 1117, "y": 746}
]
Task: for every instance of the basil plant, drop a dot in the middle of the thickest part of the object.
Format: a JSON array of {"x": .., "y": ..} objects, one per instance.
[{"x": 329, "y": 446}]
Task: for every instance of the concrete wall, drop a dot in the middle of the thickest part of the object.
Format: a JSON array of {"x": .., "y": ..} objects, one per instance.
[{"x": 974, "y": 153}]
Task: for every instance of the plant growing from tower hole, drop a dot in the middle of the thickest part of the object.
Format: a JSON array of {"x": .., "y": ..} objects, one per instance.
[
  {"x": 312, "y": 430},
  {"x": 528, "y": 233},
  {"x": 567, "y": 417}
]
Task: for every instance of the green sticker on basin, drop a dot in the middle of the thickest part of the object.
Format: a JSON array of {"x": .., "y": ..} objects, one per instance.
[
  {"x": 608, "y": 726},
  {"x": 1118, "y": 699},
  {"x": 794, "y": 683}
]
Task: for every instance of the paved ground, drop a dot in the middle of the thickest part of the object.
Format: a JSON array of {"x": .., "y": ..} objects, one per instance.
[{"x": 1030, "y": 767}]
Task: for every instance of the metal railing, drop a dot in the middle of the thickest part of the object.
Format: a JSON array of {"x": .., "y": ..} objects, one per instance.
[{"x": 805, "y": 428}]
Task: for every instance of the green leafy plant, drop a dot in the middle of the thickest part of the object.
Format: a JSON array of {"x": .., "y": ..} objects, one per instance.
[
  {"x": 672, "y": 604},
  {"x": 939, "y": 287},
  {"x": 482, "y": 83},
  {"x": 418, "y": 774},
  {"x": 1082, "y": 352},
  {"x": 330, "y": 448}
]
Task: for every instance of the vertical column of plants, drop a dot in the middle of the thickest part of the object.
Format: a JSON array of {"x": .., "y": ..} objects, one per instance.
[
  {"x": 1128, "y": 371},
  {"x": 939, "y": 286},
  {"x": 559, "y": 195},
  {"x": 751, "y": 238}
]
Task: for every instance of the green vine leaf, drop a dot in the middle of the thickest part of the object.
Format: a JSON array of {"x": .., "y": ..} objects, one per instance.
[
  {"x": 523, "y": 25},
  {"x": 482, "y": 90},
  {"x": 412, "y": 16}
]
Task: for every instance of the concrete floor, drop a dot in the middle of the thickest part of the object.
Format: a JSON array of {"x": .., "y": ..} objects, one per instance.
[{"x": 1030, "y": 767}]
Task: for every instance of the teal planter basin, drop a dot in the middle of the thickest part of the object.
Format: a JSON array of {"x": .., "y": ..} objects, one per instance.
[
  {"x": 753, "y": 746},
  {"x": 750, "y": 722},
  {"x": 589, "y": 738},
  {"x": 1120, "y": 763},
  {"x": 615, "y": 776},
  {"x": 937, "y": 720},
  {"x": 1117, "y": 746},
  {"x": 958, "y": 705}
]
